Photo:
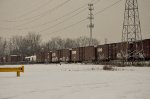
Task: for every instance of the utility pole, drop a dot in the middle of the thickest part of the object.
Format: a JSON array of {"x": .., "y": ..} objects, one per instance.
[
  {"x": 131, "y": 34},
  {"x": 91, "y": 25}
]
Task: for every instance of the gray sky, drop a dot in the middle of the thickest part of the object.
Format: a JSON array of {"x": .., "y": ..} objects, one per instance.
[{"x": 18, "y": 17}]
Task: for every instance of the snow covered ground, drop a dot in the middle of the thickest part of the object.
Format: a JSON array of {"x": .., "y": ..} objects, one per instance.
[{"x": 75, "y": 81}]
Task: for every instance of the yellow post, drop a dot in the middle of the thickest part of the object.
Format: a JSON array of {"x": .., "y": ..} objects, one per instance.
[
  {"x": 13, "y": 69},
  {"x": 22, "y": 68},
  {"x": 18, "y": 74}
]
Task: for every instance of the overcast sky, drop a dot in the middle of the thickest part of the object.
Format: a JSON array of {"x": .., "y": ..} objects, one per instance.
[{"x": 48, "y": 18}]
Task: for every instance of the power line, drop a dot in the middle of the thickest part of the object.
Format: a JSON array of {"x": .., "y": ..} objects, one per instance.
[
  {"x": 65, "y": 19},
  {"x": 108, "y": 7},
  {"x": 41, "y": 14},
  {"x": 47, "y": 12},
  {"x": 99, "y": 12},
  {"x": 69, "y": 26},
  {"x": 25, "y": 14},
  {"x": 57, "y": 18}
]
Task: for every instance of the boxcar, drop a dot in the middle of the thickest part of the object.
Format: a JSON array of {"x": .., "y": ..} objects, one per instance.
[
  {"x": 102, "y": 52},
  {"x": 89, "y": 53},
  {"x": 112, "y": 51},
  {"x": 40, "y": 57},
  {"x": 13, "y": 58},
  {"x": 49, "y": 56},
  {"x": 65, "y": 55},
  {"x": 83, "y": 54},
  {"x": 1, "y": 60},
  {"x": 77, "y": 54},
  {"x": 121, "y": 50},
  {"x": 146, "y": 48},
  {"x": 56, "y": 55}
]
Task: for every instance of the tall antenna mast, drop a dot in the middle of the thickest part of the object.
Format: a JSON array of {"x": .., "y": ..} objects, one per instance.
[
  {"x": 131, "y": 34},
  {"x": 91, "y": 25}
]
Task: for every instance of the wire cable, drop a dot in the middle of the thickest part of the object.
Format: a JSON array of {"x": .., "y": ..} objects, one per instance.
[
  {"x": 63, "y": 16},
  {"x": 99, "y": 12},
  {"x": 27, "y": 13}
]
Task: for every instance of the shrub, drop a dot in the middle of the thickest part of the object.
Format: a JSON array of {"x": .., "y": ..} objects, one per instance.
[{"x": 108, "y": 67}]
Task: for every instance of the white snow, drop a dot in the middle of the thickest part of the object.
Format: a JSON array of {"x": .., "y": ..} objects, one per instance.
[{"x": 75, "y": 81}]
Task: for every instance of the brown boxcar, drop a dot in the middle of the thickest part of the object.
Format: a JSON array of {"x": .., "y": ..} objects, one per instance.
[
  {"x": 102, "y": 52},
  {"x": 112, "y": 51},
  {"x": 13, "y": 58},
  {"x": 77, "y": 54},
  {"x": 56, "y": 55},
  {"x": 83, "y": 54},
  {"x": 89, "y": 53},
  {"x": 1, "y": 60},
  {"x": 49, "y": 56},
  {"x": 40, "y": 57},
  {"x": 146, "y": 48},
  {"x": 121, "y": 50},
  {"x": 65, "y": 55}
]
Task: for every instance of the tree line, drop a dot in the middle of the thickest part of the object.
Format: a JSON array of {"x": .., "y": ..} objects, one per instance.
[{"x": 32, "y": 43}]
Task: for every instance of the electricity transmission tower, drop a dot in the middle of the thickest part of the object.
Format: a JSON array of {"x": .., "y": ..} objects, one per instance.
[
  {"x": 91, "y": 25},
  {"x": 132, "y": 47}
]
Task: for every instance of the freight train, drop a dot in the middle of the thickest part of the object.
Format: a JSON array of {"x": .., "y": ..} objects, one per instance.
[{"x": 92, "y": 54}]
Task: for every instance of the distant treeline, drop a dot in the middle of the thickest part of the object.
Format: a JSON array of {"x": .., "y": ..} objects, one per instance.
[{"x": 32, "y": 43}]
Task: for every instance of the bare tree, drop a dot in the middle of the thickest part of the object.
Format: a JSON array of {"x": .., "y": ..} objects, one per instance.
[
  {"x": 84, "y": 41},
  {"x": 58, "y": 43},
  {"x": 3, "y": 46},
  {"x": 55, "y": 43},
  {"x": 27, "y": 45},
  {"x": 33, "y": 42},
  {"x": 70, "y": 43}
]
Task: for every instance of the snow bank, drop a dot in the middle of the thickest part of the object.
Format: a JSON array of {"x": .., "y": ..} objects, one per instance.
[{"x": 75, "y": 81}]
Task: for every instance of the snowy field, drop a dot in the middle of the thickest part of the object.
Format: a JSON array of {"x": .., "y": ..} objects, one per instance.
[{"x": 75, "y": 81}]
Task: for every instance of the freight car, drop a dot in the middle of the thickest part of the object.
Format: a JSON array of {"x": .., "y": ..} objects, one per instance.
[
  {"x": 102, "y": 52},
  {"x": 146, "y": 47},
  {"x": 89, "y": 54},
  {"x": 83, "y": 54},
  {"x": 1, "y": 59},
  {"x": 13, "y": 59},
  {"x": 77, "y": 54},
  {"x": 56, "y": 56},
  {"x": 65, "y": 55},
  {"x": 49, "y": 56},
  {"x": 40, "y": 57}
]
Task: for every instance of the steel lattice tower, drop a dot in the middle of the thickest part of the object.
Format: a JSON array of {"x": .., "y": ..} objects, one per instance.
[{"x": 131, "y": 34}]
